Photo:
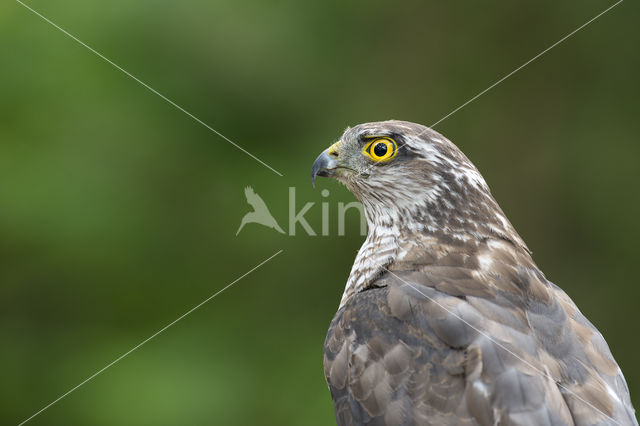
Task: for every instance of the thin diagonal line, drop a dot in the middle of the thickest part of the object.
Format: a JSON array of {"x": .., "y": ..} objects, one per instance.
[
  {"x": 544, "y": 374},
  {"x": 150, "y": 337},
  {"x": 527, "y": 63},
  {"x": 151, "y": 88},
  {"x": 505, "y": 77}
]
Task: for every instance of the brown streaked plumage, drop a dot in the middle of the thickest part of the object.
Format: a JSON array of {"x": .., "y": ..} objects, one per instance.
[{"x": 445, "y": 318}]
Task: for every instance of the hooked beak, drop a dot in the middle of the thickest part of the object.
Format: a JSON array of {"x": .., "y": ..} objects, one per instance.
[
  {"x": 325, "y": 166},
  {"x": 326, "y": 163}
]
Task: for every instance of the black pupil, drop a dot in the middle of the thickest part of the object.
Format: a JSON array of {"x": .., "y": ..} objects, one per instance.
[{"x": 380, "y": 149}]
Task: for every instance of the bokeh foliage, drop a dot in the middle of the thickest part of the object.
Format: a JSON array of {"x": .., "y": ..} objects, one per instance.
[{"x": 118, "y": 212}]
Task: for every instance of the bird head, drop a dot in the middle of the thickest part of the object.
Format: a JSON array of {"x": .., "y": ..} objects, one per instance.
[{"x": 408, "y": 175}]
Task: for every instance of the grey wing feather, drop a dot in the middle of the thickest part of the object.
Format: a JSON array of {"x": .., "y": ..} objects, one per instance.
[
  {"x": 409, "y": 353},
  {"x": 381, "y": 372}
]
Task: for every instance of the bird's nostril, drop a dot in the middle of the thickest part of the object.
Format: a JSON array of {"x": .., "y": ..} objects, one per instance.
[{"x": 333, "y": 149}]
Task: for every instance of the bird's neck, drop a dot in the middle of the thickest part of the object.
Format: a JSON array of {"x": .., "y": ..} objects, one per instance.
[
  {"x": 379, "y": 250},
  {"x": 431, "y": 228}
]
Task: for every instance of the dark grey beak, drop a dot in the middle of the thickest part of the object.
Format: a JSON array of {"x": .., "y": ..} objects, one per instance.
[{"x": 324, "y": 166}]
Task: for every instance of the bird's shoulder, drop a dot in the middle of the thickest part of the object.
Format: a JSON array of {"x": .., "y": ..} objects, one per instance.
[{"x": 455, "y": 337}]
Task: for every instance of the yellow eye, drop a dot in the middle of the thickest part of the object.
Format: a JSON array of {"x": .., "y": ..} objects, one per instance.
[{"x": 381, "y": 149}]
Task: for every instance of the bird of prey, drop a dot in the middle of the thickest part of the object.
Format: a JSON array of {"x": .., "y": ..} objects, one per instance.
[
  {"x": 445, "y": 318},
  {"x": 260, "y": 213}
]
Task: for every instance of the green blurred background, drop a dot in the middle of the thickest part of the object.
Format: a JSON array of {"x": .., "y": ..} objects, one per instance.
[{"x": 118, "y": 212}]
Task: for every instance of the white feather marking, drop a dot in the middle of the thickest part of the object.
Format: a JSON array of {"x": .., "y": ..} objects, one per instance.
[
  {"x": 485, "y": 261},
  {"x": 612, "y": 393}
]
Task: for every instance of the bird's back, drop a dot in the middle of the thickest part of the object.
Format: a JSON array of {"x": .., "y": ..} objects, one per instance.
[{"x": 437, "y": 340}]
